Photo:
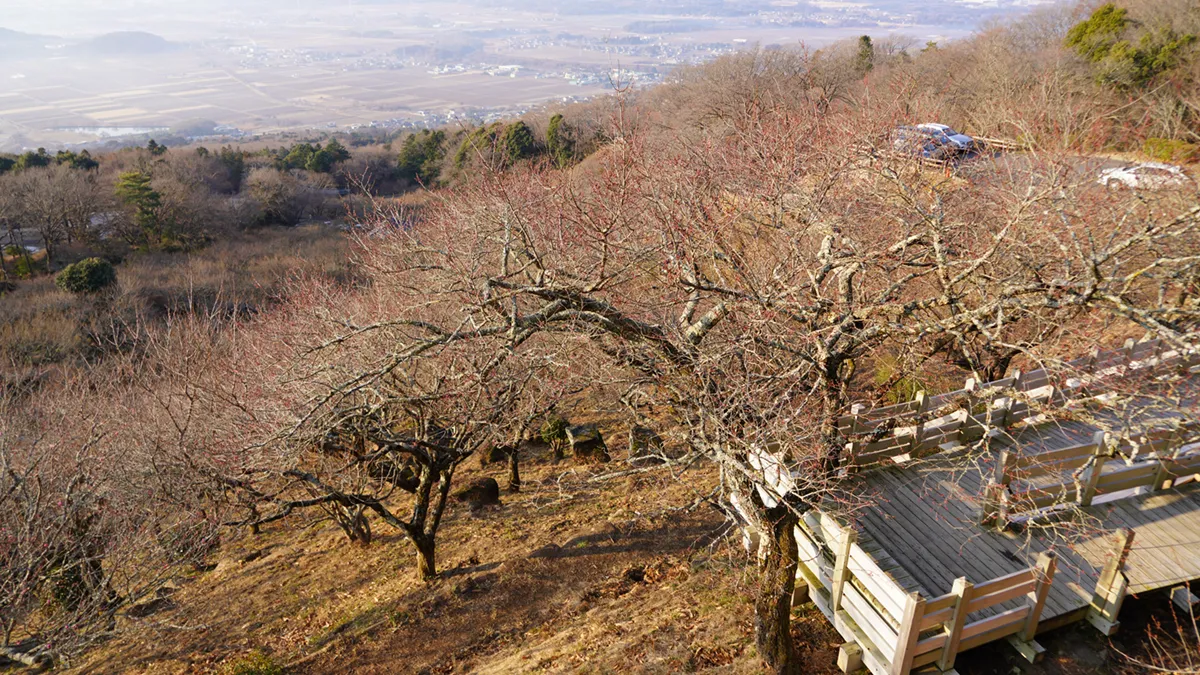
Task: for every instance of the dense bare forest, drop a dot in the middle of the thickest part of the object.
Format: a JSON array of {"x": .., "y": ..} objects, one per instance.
[{"x": 220, "y": 366}]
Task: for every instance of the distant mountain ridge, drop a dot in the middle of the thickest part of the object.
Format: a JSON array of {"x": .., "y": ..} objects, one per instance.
[
  {"x": 127, "y": 43},
  {"x": 16, "y": 43}
]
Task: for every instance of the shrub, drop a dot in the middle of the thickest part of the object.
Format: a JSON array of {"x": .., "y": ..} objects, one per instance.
[
  {"x": 1170, "y": 150},
  {"x": 28, "y": 266},
  {"x": 255, "y": 664},
  {"x": 86, "y": 276},
  {"x": 554, "y": 430},
  {"x": 554, "y": 434}
]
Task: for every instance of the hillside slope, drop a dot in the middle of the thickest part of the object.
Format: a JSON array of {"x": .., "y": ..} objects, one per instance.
[{"x": 573, "y": 574}]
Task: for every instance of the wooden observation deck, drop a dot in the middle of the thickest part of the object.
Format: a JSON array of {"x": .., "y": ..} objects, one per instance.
[{"x": 1007, "y": 509}]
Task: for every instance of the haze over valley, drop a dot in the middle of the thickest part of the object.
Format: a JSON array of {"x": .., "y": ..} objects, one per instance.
[{"x": 78, "y": 72}]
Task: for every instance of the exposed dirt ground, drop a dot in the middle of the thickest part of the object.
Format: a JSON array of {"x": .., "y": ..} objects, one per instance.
[{"x": 569, "y": 575}]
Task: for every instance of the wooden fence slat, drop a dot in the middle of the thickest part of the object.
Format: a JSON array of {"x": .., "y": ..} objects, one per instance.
[
  {"x": 934, "y": 618},
  {"x": 1011, "y": 617},
  {"x": 876, "y": 582},
  {"x": 1072, "y": 452},
  {"x": 869, "y": 621},
  {"x": 1064, "y": 467},
  {"x": 1001, "y": 596},
  {"x": 998, "y": 626},
  {"x": 1006, "y": 581},
  {"x": 1137, "y": 476}
]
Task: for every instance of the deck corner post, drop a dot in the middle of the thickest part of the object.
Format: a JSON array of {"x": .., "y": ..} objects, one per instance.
[
  {"x": 1046, "y": 565},
  {"x": 841, "y": 569},
  {"x": 909, "y": 632},
  {"x": 1111, "y": 586},
  {"x": 963, "y": 590}
]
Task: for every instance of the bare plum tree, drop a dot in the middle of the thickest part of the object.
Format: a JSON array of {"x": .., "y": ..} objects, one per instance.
[{"x": 748, "y": 280}]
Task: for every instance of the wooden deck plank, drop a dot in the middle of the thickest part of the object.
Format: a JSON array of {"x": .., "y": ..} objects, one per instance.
[{"x": 959, "y": 554}]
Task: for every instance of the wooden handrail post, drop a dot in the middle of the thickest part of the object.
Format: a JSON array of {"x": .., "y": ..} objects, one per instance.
[
  {"x": 910, "y": 630},
  {"x": 1110, "y": 587},
  {"x": 1099, "y": 440},
  {"x": 993, "y": 496},
  {"x": 990, "y": 508},
  {"x": 964, "y": 590},
  {"x": 841, "y": 568},
  {"x": 1169, "y": 451},
  {"x": 1046, "y": 565},
  {"x": 856, "y": 411},
  {"x": 853, "y": 448},
  {"x": 999, "y": 413},
  {"x": 922, "y": 400}
]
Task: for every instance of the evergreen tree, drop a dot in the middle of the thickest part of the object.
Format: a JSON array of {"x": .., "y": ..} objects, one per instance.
[
  {"x": 337, "y": 151},
  {"x": 865, "y": 60},
  {"x": 235, "y": 163},
  {"x": 83, "y": 160},
  {"x": 298, "y": 157},
  {"x": 133, "y": 188},
  {"x": 421, "y": 156},
  {"x": 320, "y": 161},
  {"x": 31, "y": 160},
  {"x": 1103, "y": 40},
  {"x": 517, "y": 142},
  {"x": 558, "y": 142},
  {"x": 156, "y": 149},
  {"x": 482, "y": 139}
]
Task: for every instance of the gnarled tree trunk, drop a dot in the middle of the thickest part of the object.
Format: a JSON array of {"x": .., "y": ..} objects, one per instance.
[
  {"x": 514, "y": 468},
  {"x": 773, "y": 604},
  {"x": 426, "y": 567}
]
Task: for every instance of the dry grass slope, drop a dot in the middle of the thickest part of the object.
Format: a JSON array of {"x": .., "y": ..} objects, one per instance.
[{"x": 569, "y": 575}]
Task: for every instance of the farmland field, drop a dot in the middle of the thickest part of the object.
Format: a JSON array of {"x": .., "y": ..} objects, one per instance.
[{"x": 266, "y": 67}]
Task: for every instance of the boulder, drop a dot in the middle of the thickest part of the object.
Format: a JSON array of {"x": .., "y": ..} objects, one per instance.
[
  {"x": 587, "y": 443},
  {"x": 481, "y": 492},
  {"x": 645, "y": 446},
  {"x": 491, "y": 453}
]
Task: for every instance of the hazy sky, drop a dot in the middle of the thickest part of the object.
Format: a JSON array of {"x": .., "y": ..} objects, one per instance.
[{"x": 193, "y": 19}]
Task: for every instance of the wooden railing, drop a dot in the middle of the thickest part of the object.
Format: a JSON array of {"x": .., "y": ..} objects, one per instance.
[
  {"x": 927, "y": 424},
  {"x": 899, "y": 631},
  {"x": 1000, "y": 143},
  {"x": 1158, "y": 459}
]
